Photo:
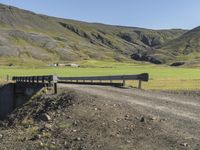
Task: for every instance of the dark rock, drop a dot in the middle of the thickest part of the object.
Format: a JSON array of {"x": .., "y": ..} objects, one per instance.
[
  {"x": 142, "y": 119},
  {"x": 155, "y": 60},
  {"x": 45, "y": 117},
  {"x": 35, "y": 137},
  {"x": 136, "y": 56},
  {"x": 176, "y": 64},
  {"x": 145, "y": 57},
  {"x": 77, "y": 139}
]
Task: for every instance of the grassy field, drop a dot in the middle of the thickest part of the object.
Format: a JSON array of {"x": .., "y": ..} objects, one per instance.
[{"x": 161, "y": 77}]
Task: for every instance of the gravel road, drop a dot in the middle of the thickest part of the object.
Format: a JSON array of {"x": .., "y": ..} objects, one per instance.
[{"x": 180, "y": 113}]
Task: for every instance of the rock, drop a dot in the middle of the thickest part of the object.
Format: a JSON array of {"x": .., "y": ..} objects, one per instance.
[
  {"x": 1, "y": 136},
  {"x": 136, "y": 56},
  {"x": 163, "y": 120},
  {"x": 184, "y": 144},
  {"x": 74, "y": 130},
  {"x": 36, "y": 137},
  {"x": 128, "y": 141},
  {"x": 78, "y": 139},
  {"x": 45, "y": 117},
  {"x": 153, "y": 118},
  {"x": 54, "y": 143},
  {"x": 155, "y": 60},
  {"x": 24, "y": 139},
  {"x": 41, "y": 144},
  {"x": 146, "y": 57},
  {"x": 75, "y": 123},
  {"x": 142, "y": 119},
  {"x": 127, "y": 116},
  {"x": 69, "y": 117},
  {"x": 176, "y": 64},
  {"x": 48, "y": 126}
]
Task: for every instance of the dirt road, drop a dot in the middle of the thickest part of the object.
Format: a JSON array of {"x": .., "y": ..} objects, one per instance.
[
  {"x": 181, "y": 114},
  {"x": 104, "y": 118}
]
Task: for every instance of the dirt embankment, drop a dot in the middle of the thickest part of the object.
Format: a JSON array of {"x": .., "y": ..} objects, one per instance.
[{"x": 93, "y": 117}]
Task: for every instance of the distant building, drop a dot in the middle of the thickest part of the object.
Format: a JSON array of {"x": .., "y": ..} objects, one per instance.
[
  {"x": 52, "y": 65},
  {"x": 73, "y": 65},
  {"x": 63, "y": 65}
]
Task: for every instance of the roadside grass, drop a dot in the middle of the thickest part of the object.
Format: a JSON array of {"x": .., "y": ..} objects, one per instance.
[{"x": 161, "y": 77}]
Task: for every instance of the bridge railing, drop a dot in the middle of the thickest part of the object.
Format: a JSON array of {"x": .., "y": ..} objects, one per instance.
[
  {"x": 102, "y": 79},
  {"x": 52, "y": 80},
  {"x": 36, "y": 79}
]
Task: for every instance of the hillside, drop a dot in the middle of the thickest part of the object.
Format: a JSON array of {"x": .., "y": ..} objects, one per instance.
[
  {"x": 185, "y": 48},
  {"x": 29, "y": 38}
]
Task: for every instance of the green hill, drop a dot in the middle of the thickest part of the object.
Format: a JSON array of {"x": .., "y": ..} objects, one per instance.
[
  {"x": 30, "y": 38},
  {"x": 186, "y": 48}
]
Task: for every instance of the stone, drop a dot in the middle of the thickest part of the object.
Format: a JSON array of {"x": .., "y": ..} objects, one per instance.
[
  {"x": 153, "y": 118},
  {"x": 45, "y": 117},
  {"x": 142, "y": 119},
  {"x": 78, "y": 139},
  {"x": 41, "y": 144},
  {"x": 54, "y": 143},
  {"x": 184, "y": 144},
  {"x": 177, "y": 64},
  {"x": 48, "y": 126},
  {"x": 36, "y": 137},
  {"x": 1, "y": 136},
  {"x": 128, "y": 141}
]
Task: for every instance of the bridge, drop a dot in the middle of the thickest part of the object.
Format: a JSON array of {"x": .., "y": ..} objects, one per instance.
[
  {"x": 52, "y": 80},
  {"x": 15, "y": 94}
]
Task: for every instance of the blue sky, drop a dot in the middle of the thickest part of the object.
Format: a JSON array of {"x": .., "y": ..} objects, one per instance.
[{"x": 155, "y": 14}]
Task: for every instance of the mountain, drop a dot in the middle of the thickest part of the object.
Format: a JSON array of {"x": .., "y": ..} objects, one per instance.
[
  {"x": 186, "y": 48},
  {"x": 30, "y": 38}
]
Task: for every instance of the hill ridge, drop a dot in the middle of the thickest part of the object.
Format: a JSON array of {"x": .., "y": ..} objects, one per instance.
[{"x": 28, "y": 37}]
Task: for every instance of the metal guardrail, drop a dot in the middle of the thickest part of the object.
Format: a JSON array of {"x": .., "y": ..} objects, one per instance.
[
  {"x": 92, "y": 79},
  {"x": 52, "y": 80},
  {"x": 36, "y": 79}
]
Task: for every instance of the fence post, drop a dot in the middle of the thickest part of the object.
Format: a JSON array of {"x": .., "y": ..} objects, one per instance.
[
  {"x": 43, "y": 79},
  {"x": 140, "y": 84},
  {"x": 55, "y": 88},
  {"x": 124, "y": 83}
]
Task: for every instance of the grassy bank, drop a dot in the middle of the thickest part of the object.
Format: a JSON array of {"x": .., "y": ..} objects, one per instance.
[{"x": 161, "y": 77}]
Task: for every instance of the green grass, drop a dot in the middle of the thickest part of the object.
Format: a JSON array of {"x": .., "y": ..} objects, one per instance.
[{"x": 161, "y": 77}]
